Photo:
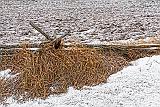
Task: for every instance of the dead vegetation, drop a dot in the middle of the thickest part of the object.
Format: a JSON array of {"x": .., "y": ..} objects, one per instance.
[{"x": 51, "y": 71}]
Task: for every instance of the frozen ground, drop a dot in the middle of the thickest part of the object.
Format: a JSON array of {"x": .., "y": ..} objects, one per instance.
[
  {"x": 137, "y": 85},
  {"x": 87, "y": 20}
]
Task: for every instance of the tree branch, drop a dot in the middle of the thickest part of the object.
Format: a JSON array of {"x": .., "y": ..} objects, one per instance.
[{"x": 40, "y": 30}]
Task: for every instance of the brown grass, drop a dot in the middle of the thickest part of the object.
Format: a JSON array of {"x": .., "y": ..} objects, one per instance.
[
  {"x": 134, "y": 54},
  {"x": 49, "y": 71},
  {"x": 4, "y": 90},
  {"x": 115, "y": 62}
]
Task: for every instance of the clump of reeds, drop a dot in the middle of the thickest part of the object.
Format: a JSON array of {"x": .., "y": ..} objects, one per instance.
[{"x": 51, "y": 71}]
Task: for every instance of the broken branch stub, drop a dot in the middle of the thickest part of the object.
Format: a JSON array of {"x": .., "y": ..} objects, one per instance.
[
  {"x": 56, "y": 42},
  {"x": 40, "y": 30}
]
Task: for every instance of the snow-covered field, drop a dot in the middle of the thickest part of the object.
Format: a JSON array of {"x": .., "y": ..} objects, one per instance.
[
  {"x": 105, "y": 19},
  {"x": 137, "y": 85},
  {"x": 90, "y": 21}
]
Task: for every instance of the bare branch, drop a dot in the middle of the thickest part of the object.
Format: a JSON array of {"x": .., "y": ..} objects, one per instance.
[{"x": 40, "y": 30}]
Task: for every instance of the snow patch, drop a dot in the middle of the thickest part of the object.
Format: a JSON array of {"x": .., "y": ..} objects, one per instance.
[{"x": 6, "y": 74}]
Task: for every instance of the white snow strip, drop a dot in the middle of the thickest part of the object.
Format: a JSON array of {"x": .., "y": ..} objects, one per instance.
[
  {"x": 147, "y": 41},
  {"x": 7, "y": 74},
  {"x": 137, "y": 85},
  {"x": 89, "y": 31},
  {"x": 33, "y": 49}
]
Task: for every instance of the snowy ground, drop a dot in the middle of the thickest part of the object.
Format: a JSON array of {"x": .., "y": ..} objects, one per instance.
[
  {"x": 137, "y": 85},
  {"x": 101, "y": 20}
]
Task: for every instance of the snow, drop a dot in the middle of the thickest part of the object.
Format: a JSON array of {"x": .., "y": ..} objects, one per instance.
[
  {"x": 7, "y": 74},
  {"x": 136, "y": 85},
  {"x": 112, "y": 19}
]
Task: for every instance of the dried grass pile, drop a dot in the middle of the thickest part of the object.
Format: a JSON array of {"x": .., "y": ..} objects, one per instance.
[{"x": 51, "y": 71}]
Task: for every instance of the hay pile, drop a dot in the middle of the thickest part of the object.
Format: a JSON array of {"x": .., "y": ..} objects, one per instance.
[{"x": 51, "y": 71}]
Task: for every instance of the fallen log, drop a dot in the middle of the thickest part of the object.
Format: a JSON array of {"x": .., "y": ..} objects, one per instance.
[
  {"x": 104, "y": 46},
  {"x": 57, "y": 43}
]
